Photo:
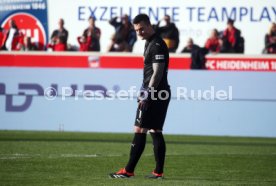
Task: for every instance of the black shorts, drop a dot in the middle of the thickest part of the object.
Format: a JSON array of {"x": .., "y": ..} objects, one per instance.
[{"x": 154, "y": 117}]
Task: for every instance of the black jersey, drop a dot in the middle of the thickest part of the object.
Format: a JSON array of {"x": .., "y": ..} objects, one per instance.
[{"x": 156, "y": 51}]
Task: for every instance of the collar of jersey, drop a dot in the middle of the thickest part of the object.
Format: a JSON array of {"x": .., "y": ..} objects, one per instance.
[{"x": 151, "y": 37}]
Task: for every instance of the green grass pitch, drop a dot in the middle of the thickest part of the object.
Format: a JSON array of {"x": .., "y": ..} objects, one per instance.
[{"x": 75, "y": 158}]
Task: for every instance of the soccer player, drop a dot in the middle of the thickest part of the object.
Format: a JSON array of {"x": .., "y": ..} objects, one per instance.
[{"x": 153, "y": 102}]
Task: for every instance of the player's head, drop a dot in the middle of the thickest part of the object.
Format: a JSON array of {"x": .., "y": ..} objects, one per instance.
[{"x": 143, "y": 26}]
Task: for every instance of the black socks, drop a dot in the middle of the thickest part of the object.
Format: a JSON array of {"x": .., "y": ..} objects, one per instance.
[
  {"x": 137, "y": 148},
  {"x": 159, "y": 148}
]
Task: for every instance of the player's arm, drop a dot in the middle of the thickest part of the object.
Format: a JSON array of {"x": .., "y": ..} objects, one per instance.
[
  {"x": 158, "y": 65},
  {"x": 158, "y": 70}
]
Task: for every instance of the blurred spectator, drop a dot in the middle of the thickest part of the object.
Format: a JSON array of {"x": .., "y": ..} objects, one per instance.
[
  {"x": 198, "y": 54},
  {"x": 213, "y": 43},
  {"x": 19, "y": 41},
  {"x": 11, "y": 37},
  {"x": 232, "y": 40},
  {"x": 270, "y": 40},
  {"x": 60, "y": 34},
  {"x": 169, "y": 33},
  {"x": 188, "y": 47},
  {"x": 27, "y": 45},
  {"x": 84, "y": 43},
  {"x": 124, "y": 34},
  {"x": 118, "y": 44},
  {"x": 92, "y": 35},
  {"x": 59, "y": 44},
  {"x": 198, "y": 57}
]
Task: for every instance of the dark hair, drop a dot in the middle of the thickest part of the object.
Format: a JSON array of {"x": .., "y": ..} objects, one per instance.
[
  {"x": 92, "y": 17},
  {"x": 216, "y": 31},
  {"x": 141, "y": 17},
  {"x": 230, "y": 21},
  {"x": 62, "y": 20}
]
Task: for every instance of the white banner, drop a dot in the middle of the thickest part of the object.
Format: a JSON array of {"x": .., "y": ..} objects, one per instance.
[
  {"x": 193, "y": 18},
  {"x": 203, "y": 102}
]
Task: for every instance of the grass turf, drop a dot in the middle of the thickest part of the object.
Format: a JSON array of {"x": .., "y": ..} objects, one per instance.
[{"x": 74, "y": 158}]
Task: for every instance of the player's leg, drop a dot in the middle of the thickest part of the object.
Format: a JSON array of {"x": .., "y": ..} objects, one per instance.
[
  {"x": 136, "y": 150},
  {"x": 159, "y": 111},
  {"x": 137, "y": 147},
  {"x": 159, "y": 149}
]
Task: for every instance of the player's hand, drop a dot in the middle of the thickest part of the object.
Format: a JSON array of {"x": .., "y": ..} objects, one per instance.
[{"x": 144, "y": 98}]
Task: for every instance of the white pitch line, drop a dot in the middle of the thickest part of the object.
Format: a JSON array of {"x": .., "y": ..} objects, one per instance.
[{"x": 79, "y": 155}]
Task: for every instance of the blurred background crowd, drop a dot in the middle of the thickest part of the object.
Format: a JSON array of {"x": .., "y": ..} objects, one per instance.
[{"x": 229, "y": 40}]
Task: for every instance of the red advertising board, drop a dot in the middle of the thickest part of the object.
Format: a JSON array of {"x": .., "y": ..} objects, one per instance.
[
  {"x": 131, "y": 61},
  {"x": 242, "y": 64}
]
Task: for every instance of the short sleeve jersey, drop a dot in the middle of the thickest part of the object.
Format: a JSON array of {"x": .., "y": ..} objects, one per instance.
[{"x": 156, "y": 51}]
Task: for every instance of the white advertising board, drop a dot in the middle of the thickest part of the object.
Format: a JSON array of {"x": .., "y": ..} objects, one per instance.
[
  {"x": 244, "y": 103},
  {"x": 193, "y": 18}
]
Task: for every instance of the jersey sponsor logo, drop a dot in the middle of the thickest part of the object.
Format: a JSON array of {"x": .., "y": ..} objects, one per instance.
[{"x": 159, "y": 57}]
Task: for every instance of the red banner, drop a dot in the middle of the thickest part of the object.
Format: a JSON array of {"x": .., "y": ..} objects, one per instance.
[
  {"x": 131, "y": 61},
  {"x": 242, "y": 64}
]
